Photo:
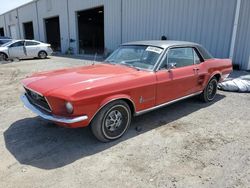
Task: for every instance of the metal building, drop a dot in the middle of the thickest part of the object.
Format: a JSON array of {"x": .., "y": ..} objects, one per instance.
[{"x": 90, "y": 26}]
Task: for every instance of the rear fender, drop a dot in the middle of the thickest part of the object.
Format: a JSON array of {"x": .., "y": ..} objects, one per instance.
[{"x": 212, "y": 75}]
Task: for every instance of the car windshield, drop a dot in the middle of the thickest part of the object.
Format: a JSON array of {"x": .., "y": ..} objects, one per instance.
[
  {"x": 7, "y": 44},
  {"x": 137, "y": 56}
]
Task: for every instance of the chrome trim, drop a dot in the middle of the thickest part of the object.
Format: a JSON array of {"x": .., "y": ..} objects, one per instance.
[
  {"x": 48, "y": 116},
  {"x": 110, "y": 102},
  {"x": 224, "y": 77},
  {"x": 48, "y": 110},
  {"x": 160, "y": 59},
  {"x": 157, "y": 68},
  {"x": 165, "y": 104},
  {"x": 25, "y": 87},
  {"x": 48, "y": 103}
]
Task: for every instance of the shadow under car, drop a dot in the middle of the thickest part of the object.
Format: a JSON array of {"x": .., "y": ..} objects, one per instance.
[{"x": 42, "y": 144}]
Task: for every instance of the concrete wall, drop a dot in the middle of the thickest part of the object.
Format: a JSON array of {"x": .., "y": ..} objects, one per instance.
[
  {"x": 2, "y": 24},
  {"x": 11, "y": 19},
  {"x": 53, "y": 8},
  {"x": 28, "y": 13}
]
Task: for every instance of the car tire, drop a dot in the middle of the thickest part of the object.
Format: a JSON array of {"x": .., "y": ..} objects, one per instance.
[
  {"x": 210, "y": 91},
  {"x": 42, "y": 55},
  {"x": 3, "y": 57},
  {"x": 112, "y": 121}
]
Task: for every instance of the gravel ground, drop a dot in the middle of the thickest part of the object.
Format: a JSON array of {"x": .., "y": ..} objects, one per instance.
[{"x": 187, "y": 144}]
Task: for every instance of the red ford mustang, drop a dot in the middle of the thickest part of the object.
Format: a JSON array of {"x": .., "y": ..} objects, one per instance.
[{"x": 136, "y": 78}]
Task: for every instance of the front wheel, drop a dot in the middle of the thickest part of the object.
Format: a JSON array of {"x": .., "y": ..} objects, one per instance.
[
  {"x": 112, "y": 121},
  {"x": 210, "y": 91},
  {"x": 3, "y": 57}
]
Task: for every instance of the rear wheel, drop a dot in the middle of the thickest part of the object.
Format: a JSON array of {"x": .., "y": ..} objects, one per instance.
[
  {"x": 210, "y": 91},
  {"x": 3, "y": 57},
  {"x": 42, "y": 55},
  {"x": 112, "y": 121}
]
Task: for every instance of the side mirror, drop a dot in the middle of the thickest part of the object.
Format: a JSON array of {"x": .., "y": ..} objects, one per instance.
[{"x": 171, "y": 66}]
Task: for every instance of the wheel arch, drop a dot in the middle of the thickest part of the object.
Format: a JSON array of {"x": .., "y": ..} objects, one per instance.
[
  {"x": 4, "y": 54},
  {"x": 217, "y": 75},
  {"x": 41, "y": 51},
  {"x": 110, "y": 99}
]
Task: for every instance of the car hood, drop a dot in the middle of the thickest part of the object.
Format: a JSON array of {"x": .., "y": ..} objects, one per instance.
[
  {"x": 67, "y": 82},
  {"x": 3, "y": 48}
]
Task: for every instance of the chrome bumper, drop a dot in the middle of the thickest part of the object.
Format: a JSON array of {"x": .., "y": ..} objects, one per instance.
[
  {"x": 48, "y": 116},
  {"x": 224, "y": 77}
]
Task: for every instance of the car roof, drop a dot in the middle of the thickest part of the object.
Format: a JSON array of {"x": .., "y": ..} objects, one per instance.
[
  {"x": 170, "y": 43},
  {"x": 162, "y": 43},
  {"x": 16, "y": 40}
]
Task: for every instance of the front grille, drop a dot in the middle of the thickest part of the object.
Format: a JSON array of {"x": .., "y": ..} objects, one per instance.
[{"x": 37, "y": 100}]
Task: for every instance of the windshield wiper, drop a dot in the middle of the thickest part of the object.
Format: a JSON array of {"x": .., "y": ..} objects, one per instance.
[
  {"x": 110, "y": 62},
  {"x": 130, "y": 65}
]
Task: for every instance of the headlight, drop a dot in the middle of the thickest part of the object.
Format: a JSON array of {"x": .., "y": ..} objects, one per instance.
[{"x": 69, "y": 107}]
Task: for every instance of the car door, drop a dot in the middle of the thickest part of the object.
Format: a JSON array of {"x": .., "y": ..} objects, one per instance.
[
  {"x": 31, "y": 48},
  {"x": 16, "y": 50},
  {"x": 177, "y": 76},
  {"x": 200, "y": 70}
]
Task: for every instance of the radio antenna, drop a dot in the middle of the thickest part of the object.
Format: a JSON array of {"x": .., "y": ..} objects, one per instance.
[{"x": 93, "y": 63}]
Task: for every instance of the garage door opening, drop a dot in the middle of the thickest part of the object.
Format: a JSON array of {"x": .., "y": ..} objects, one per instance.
[
  {"x": 91, "y": 31},
  {"x": 53, "y": 36},
  {"x": 28, "y": 30},
  {"x": 1, "y": 31}
]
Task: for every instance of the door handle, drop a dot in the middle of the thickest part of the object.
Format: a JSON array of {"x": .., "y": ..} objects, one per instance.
[{"x": 196, "y": 69}]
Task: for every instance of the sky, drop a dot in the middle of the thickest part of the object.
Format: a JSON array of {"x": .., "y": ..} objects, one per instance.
[{"x": 6, "y": 5}]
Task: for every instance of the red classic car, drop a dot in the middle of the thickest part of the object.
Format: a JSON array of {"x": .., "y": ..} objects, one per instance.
[{"x": 136, "y": 78}]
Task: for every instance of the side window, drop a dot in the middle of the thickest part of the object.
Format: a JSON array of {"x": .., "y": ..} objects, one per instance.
[
  {"x": 181, "y": 57},
  {"x": 31, "y": 43},
  {"x": 17, "y": 44}
]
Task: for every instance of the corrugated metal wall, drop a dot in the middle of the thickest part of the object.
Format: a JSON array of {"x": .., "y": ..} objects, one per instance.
[
  {"x": 207, "y": 22},
  {"x": 242, "y": 45}
]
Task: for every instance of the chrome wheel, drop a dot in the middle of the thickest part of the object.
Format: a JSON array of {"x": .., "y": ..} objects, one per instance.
[
  {"x": 113, "y": 121},
  {"x": 116, "y": 122},
  {"x": 211, "y": 89}
]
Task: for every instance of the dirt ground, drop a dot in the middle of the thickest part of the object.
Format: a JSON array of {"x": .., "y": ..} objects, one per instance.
[{"x": 187, "y": 144}]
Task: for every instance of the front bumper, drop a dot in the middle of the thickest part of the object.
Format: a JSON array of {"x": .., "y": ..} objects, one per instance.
[{"x": 48, "y": 116}]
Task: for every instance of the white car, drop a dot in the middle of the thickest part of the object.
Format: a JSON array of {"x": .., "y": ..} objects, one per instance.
[{"x": 23, "y": 49}]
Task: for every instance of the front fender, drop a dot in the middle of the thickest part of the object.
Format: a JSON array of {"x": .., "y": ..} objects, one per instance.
[
  {"x": 116, "y": 97},
  {"x": 109, "y": 99}
]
